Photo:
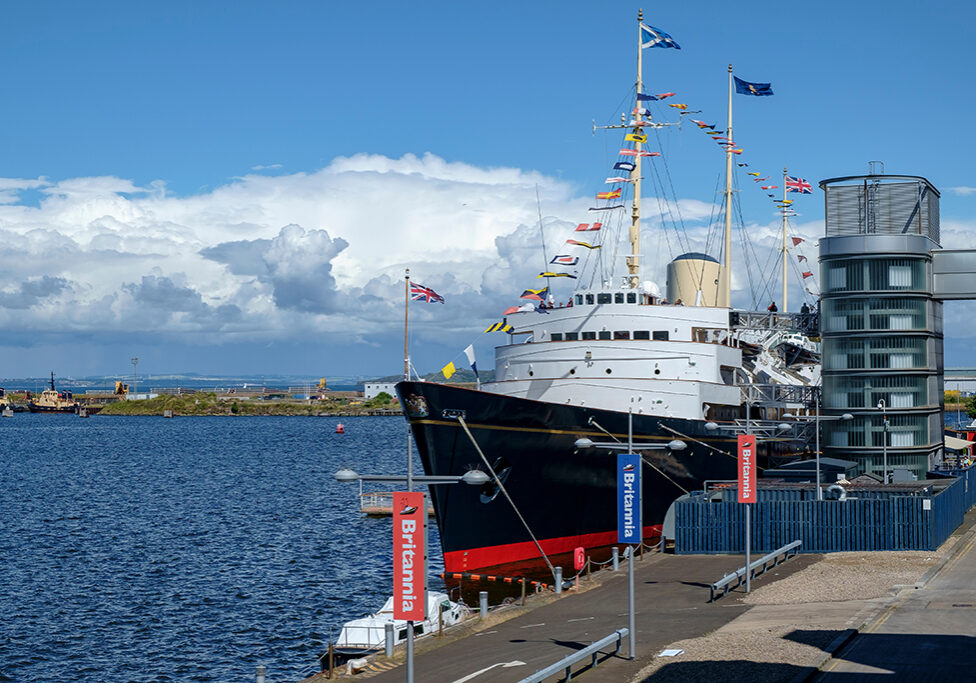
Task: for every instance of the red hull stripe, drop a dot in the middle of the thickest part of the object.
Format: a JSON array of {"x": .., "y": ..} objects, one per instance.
[{"x": 477, "y": 558}]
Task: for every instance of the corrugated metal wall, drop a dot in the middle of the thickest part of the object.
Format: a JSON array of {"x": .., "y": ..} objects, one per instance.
[{"x": 894, "y": 522}]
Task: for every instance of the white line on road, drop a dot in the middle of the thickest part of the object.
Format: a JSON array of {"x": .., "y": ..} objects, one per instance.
[
  {"x": 581, "y": 619},
  {"x": 484, "y": 633},
  {"x": 504, "y": 665},
  {"x": 531, "y": 625}
]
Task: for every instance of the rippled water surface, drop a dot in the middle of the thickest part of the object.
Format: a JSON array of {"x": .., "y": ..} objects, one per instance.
[{"x": 192, "y": 549}]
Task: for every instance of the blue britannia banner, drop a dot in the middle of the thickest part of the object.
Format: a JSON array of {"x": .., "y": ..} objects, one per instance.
[{"x": 629, "y": 521}]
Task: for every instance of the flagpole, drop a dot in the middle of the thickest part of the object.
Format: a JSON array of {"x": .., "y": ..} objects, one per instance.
[
  {"x": 406, "y": 309},
  {"x": 785, "y": 248},
  {"x": 633, "y": 261},
  {"x": 728, "y": 202},
  {"x": 406, "y": 374}
]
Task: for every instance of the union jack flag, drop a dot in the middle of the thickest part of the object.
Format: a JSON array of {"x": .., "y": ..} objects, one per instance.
[
  {"x": 798, "y": 185},
  {"x": 420, "y": 293}
]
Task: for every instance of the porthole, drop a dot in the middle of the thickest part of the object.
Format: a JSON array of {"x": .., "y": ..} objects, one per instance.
[
  {"x": 609, "y": 371},
  {"x": 531, "y": 374},
  {"x": 657, "y": 371},
  {"x": 572, "y": 371}
]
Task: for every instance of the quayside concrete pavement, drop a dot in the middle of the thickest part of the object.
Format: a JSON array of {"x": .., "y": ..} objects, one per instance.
[
  {"x": 671, "y": 603},
  {"x": 903, "y": 615}
]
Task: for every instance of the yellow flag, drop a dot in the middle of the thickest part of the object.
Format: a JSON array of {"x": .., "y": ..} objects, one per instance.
[
  {"x": 448, "y": 370},
  {"x": 634, "y": 137}
]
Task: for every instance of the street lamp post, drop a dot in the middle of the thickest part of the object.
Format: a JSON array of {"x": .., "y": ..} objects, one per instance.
[
  {"x": 135, "y": 374},
  {"x": 631, "y": 447},
  {"x": 471, "y": 477},
  {"x": 818, "y": 419}
]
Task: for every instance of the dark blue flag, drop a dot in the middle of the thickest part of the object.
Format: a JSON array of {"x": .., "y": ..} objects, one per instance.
[
  {"x": 624, "y": 166},
  {"x": 746, "y": 88},
  {"x": 646, "y": 98}
]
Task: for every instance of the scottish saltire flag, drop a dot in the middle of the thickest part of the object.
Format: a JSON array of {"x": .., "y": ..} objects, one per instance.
[
  {"x": 655, "y": 37},
  {"x": 624, "y": 166},
  {"x": 798, "y": 185},
  {"x": 564, "y": 260},
  {"x": 469, "y": 352},
  {"x": 746, "y": 88},
  {"x": 420, "y": 293}
]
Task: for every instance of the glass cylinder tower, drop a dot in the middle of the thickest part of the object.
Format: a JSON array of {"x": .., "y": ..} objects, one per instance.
[{"x": 881, "y": 325}]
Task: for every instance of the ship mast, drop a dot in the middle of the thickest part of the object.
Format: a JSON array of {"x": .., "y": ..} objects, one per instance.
[
  {"x": 785, "y": 248},
  {"x": 726, "y": 300},
  {"x": 633, "y": 260}
]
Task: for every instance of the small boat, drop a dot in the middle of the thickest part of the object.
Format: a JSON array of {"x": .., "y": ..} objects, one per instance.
[
  {"x": 53, "y": 401},
  {"x": 340, "y": 429},
  {"x": 361, "y": 637}
]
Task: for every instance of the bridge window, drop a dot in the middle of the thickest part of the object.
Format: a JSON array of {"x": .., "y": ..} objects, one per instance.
[
  {"x": 618, "y": 298},
  {"x": 589, "y": 336},
  {"x": 603, "y": 298},
  {"x": 661, "y": 335},
  {"x": 631, "y": 298},
  {"x": 557, "y": 336},
  {"x": 589, "y": 298},
  {"x": 621, "y": 334},
  {"x": 579, "y": 299},
  {"x": 604, "y": 334},
  {"x": 642, "y": 334},
  {"x": 572, "y": 336}
]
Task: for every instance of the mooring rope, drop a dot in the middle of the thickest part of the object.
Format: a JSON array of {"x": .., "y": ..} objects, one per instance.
[{"x": 501, "y": 486}]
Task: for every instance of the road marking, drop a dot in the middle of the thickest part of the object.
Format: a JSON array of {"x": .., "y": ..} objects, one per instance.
[
  {"x": 531, "y": 625},
  {"x": 581, "y": 619},
  {"x": 484, "y": 633},
  {"x": 504, "y": 665}
]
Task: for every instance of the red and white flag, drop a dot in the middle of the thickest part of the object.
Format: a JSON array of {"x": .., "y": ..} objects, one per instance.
[{"x": 586, "y": 227}]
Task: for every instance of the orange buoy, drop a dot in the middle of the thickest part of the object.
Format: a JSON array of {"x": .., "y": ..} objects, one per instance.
[{"x": 340, "y": 429}]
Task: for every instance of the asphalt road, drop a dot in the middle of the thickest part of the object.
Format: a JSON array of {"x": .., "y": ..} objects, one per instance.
[
  {"x": 926, "y": 635},
  {"x": 671, "y": 604}
]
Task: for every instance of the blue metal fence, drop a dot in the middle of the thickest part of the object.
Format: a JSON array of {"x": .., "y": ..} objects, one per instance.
[{"x": 890, "y": 522}]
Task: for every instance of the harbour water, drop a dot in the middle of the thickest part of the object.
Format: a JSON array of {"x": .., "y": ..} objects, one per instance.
[{"x": 192, "y": 549}]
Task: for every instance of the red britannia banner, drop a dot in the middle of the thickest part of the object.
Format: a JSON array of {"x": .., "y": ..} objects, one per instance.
[
  {"x": 747, "y": 468},
  {"x": 409, "y": 556}
]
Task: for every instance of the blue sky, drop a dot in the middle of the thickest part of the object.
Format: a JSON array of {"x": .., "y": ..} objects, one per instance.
[{"x": 153, "y": 156}]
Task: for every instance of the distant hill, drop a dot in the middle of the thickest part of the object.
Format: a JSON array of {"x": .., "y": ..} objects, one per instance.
[{"x": 462, "y": 376}]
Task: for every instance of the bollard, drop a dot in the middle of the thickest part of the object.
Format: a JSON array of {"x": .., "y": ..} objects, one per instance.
[
  {"x": 440, "y": 622},
  {"x": 587, "y": 567},
  {"x": 616, "y": 558},
  {"x": 331, "y": 660},
  {"x": 388, "y": 650},
  {"x": 559, "y": 580},
  {"x": 483, "y": 604},
  {"x": 260, "y": 673},
  {"x": 523, "y": 592}
]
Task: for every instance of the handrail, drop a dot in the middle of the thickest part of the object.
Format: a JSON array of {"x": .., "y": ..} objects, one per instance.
[
  {"x": 566, "y": 663},
  {"x": 738, "y": 575}
]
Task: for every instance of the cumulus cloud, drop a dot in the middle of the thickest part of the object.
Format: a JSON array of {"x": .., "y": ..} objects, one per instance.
[
  {"x": 323, "y": 254},
  {"x": 962, "y": 191}
]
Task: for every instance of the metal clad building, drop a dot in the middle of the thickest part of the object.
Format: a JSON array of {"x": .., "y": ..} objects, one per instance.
[{"x": 881, "y": 323}]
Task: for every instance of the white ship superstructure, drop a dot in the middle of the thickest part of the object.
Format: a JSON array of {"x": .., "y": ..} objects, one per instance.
[{"x": 618, "y": 350}]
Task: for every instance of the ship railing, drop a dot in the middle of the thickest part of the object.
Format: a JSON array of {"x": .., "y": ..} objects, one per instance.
[
  {"x": 779, "y": 395},
  {"x": 593, "y": 651},
  {"x": 758, "y": 567},
  {"x": 804, "y": 323}
]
